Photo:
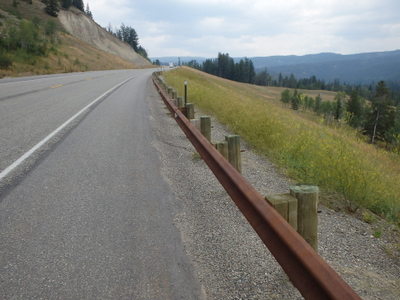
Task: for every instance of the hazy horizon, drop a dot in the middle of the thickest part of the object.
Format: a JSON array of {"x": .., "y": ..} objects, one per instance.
[{"x": 189, "y": 56}]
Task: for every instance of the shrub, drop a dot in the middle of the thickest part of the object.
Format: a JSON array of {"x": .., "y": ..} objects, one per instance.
[{"x": 5, "y": 62}]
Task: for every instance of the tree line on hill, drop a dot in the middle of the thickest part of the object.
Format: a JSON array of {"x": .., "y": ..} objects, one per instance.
[
  {"x": 224, "y": 66},
  {"x": 374, "y": 110},
  {"x": 378, "y": 118},
  {"x": 53, "y": 6},
  {"x": 313, "y": 83},
  {"x": 128, "y": 35}
]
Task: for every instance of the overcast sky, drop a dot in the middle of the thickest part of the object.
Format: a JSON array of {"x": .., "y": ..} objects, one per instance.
[{"x": 255, "y": 28}]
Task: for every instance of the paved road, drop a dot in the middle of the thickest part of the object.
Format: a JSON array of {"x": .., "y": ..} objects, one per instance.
[{"x": 92, "y": 216}]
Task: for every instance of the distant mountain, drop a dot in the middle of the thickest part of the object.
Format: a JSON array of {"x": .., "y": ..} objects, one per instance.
[{"x": 353, "y": 68}]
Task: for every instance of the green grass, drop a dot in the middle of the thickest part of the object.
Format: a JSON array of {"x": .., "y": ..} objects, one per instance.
[{"x": 310, "y": 152}]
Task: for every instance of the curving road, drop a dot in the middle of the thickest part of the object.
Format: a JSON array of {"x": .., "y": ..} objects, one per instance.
[{"x": 87, "y": 214}]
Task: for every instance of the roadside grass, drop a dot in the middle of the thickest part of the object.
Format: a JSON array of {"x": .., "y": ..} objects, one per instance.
[
  {"x": 336, "y": 159},
  {"x": 29, "y": 11},
  {"x": 70, "y": 55}
]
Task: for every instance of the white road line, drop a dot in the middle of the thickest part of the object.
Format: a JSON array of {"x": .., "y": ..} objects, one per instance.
[{"x": 27, "y": 154}]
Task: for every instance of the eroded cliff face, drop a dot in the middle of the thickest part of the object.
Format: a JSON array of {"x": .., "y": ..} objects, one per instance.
[{"x": 84, "y": 28}]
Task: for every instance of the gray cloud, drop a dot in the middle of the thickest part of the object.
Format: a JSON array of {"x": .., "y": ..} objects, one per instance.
[{"x": 256, "y": 28}]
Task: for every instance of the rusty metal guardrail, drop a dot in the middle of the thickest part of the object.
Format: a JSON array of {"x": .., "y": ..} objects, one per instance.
[{"x": 309, "y": 273}]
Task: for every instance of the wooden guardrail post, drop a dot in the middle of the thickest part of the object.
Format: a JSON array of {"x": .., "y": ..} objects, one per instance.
[
  {"x": 174, "y": 94},
  {"x": 222, "y": 148},
  {"x": 234, "y": 156},
  {"x": 185, "y": 97},
  {"x": 205, "y": 127},
  {"x": 190, "y": 111},
  {"x": 169, "y": 91},
  {"x": 179, "y": 102},
  {"x": 196, "y": 123},
  {"x": 286, "y": 206},
  {"x": 307, "y": 216}
]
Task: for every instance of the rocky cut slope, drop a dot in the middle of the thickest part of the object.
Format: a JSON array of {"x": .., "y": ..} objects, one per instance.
[{"x": 79, "y": 25}]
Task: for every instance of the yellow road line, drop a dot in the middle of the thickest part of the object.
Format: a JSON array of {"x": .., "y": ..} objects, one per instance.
[{"x": 56, "y": 86}]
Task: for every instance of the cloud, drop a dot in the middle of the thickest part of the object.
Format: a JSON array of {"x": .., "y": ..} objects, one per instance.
[{"x": 258, "y": 27}]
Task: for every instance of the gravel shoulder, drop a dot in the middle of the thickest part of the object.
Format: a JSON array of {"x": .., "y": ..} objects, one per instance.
[{"x": 230, "y": 260}]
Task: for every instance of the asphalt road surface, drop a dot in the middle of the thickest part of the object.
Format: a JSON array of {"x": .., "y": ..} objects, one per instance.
[{"x": 86, "y": 214}]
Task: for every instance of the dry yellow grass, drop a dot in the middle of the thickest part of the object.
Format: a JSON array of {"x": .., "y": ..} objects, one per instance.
[
  {"x": 71, "y": 55},
  {"x": 334, "y": 158}
]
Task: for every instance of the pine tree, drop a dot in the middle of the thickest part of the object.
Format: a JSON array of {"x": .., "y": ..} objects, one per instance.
[
  {"x": 380, "y": 118},
  {"x": 392, "y": 136},
  {"x": 318, "y": 102},
  {"x": 252, "y": 72},
  {"x": 52, "y": 7},
  {"x": 66, "y": 3},
  {"x": 79, "y": 5},
  {"x": 142, "y": 52},
  {"x": 339, "y": 105},
  {"x": 280, "y": 79},
  {"x": 285, "y": 96},
  {"x": 295, "y": 100},
  {"x": 355, "y": 109},
  {"x": 292, "y": 81},
  {"x": 88, "y": 12}
]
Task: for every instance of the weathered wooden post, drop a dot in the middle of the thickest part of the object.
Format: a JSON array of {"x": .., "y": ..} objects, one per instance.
[
  {"x": 307, "y": 216},
  {"x": 169, "y": 91},
  {"x": 185, "y": 94},
  {"x": 205, "y": 127},
  {"x": 180, "y": 102},
  {"x": 174, "y": 94},
  {"x": 234, "y": 156},
  {"x": 190, "y": 111},
  {"x": 286, "y": 206},
  {"x": 196, "y": 123},
  {"x": 222, "y": 148}
]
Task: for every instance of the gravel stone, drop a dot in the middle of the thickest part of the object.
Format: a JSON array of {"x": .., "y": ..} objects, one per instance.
[{"x": 230, "y": 260}]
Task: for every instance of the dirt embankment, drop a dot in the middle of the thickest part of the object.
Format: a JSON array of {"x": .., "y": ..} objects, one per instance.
[{"x": 84, "y": 28}]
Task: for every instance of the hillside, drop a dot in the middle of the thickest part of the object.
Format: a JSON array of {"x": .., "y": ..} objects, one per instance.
[
  {"x": 62, "y": 52},
  {"x": 308, "y": 150},
  {"x": 79, "y": 25}
]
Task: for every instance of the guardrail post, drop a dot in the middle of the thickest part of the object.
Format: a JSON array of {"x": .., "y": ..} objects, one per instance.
[
  {"x": 185, "y": 93},
  {"x": 222, "y": 148},
  {"x": 205, "y": 127},
  {"x": 174, "y": 94},
  {"x": 190, "y": 111},
  {"x": 234, "y": 156},
  {"x": 307, "y": 217},
  {"x": 179, "y": 102},
  {"x": 196, "y": 123},
  {"x": 286, "y": 206}
]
